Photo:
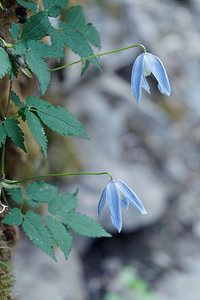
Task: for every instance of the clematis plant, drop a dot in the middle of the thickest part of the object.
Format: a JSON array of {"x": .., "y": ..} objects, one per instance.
[
  {"x": 144, "y": 65},
  {"x": 117, "y": 194}
]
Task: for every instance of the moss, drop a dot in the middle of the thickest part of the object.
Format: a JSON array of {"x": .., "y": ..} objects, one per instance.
[{"x": 6, "y": 252}]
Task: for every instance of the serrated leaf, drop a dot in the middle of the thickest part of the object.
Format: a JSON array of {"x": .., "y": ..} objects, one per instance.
[
  {"x": 30, "y": 5},
  {"x": 84, "y": 225},
  {"x": 77, "y": 43},
  {"x": 14, "y": 132},
  {"x": 36, "y": 27},
  {"x": 15, "y": 194},
  {"x": 53, "y": 7},
  {"x": 14, "y": 67},
  {"x": 40, "y": 192},
  {"x": 60, "y": 234},
  {"x": 37, "y": 130},
  {"x": 41, "y": 70},
  {"x": 4, "y": 63},
  {"x": 76, "y": 18},
  {"x": 2, "y": 135},
  {"x": 63, "y": 204},
  {"x": 14, "y": 31},
  {"x": 40, "y": 49},
  {"x": 15, "y": 98},
  {"x": 57, "y": 118},
  {"x": 14, "y": 217},
  {"x": 38, "y": 233}
]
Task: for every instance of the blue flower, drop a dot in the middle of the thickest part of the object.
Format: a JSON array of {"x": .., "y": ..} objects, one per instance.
[
  {"x": 144, "y": 65},
  {"x": 117, "y": 194}
]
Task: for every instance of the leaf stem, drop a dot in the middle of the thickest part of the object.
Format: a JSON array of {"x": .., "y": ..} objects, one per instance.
[
  {"x": 4, "y": 197},
  {"x": 60, "y": 175},
  {"x": 96, "y": 55}
]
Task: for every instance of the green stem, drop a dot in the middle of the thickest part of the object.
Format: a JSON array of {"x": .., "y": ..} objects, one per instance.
[
  {"x": 59, "y": 175},
  {"x": 96, "y": 55},
  {"x": 3, "y": 159}
]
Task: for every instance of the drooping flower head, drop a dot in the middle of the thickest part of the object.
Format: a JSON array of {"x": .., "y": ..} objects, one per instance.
[
  {"x": 144, "y": 65},
  {"x": 117, "y": 194}
]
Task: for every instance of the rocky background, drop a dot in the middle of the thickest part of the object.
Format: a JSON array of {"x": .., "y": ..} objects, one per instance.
[{"x": 154, "y": 147}]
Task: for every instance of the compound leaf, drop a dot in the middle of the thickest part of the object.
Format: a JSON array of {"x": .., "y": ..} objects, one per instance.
[
  {"x": 37, "y": 130},
  {"x": 35, "y": 28},
  {"x": 4, "y": 63},
  {"x": 84, "y": 225},
  {"x": 15, "y": 194},
  {"x": 57, "y": 118},
  {"x": 2, "y": 135},
  {"x": 75, "y": 17},
  {"x": 77, "y": 42},
  {"x": 14, "y": 132},
  {"x": 60, "y": 234},
  {"x": 53, "y": 7},
  {"x": 14, "y": 217},
  {"x": 40, "y": 192},
  {"x": 14, "y": 31},
  {"x": 38, "y": 233},
  {"x": 63, "y": 204}
]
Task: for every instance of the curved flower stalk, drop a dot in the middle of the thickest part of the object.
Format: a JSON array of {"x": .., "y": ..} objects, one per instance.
[
  {"x": 117, "y": 194},
  {"x": 144, "y": 65}
]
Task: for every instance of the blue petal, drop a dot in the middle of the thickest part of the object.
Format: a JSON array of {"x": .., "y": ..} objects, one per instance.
[
  {"x": 145, "y": 85},
  {"x": 130, "y": 195},
  {"x": 158, "y": 70},
  {"x": 102, "y": 202},
  {"x": 136, "y": 77},
  {"x": 125, "y": 203},
  {"x": 114, "y": 205}
]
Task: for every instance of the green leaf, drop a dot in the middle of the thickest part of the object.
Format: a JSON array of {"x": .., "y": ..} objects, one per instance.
[
  {"x": 14, "y": 132},
  {"x": 14, "y": 67},
  {"x": 63, "y": 204},
  {"x": 77, "y": 42},
  {"x": 53, "y": 7},
  {"x": 2, "y": 135},
  {"x": 40, "y": 68},
  {"x": 4, "y": 63},
  {"x": 37, "y": 130},
  {"x": 75, "y": 17},
  {"x": 15, "y": 98},
  {"x": 60, "y": 234},
  {"x": 84, "y": 225},
  {"x": 36, "y": 27},
  {"x": 14, "y": 31},
  {"x": 40, "y": 192},
  {"x": 14, "y": 217},
  {"x": 15, "y": 194},
  {"x": 29, "y": 4},
  {"x": 38, "y": 233},
  {"x": 57, "y": 118}
]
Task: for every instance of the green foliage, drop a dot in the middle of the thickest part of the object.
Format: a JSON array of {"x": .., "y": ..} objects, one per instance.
[
  {"x": 14, "y": 217},
  {"x": 56, "y": 118},
  {"x": 4, "y": 63},
  {"x": 55, "y": 228},
  {"x": 75, "y": 17},
  {"x": 30, "y": 5},
  {"x": 37, "y": 232},
  {"x": 84, "y": 225},
  {"x": 41, "y": 192},
  {"x": 14, "y": 31},
  {"x": 12, "y": 130},
  {"x": 15, "y": 194},
  {"x": 28, "y": 54},
  {"x": 53, "y": 7},
  {"x": 61, "y": 235}
]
